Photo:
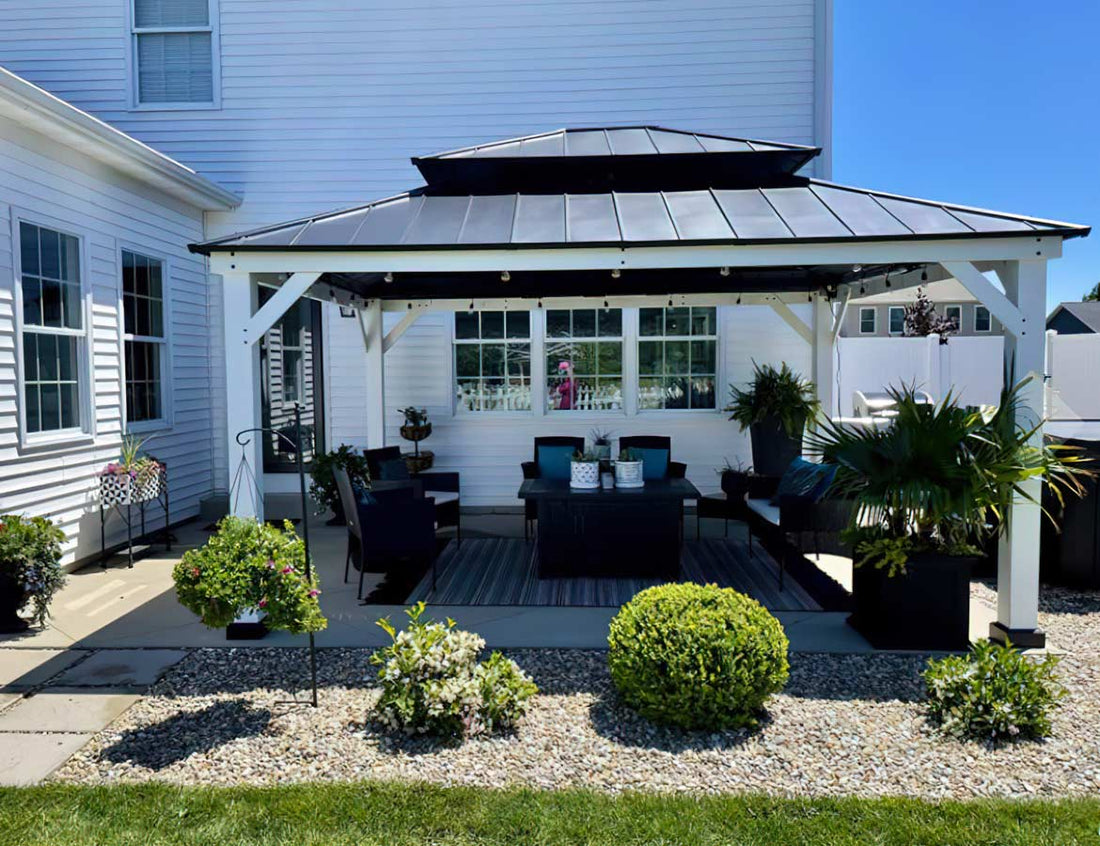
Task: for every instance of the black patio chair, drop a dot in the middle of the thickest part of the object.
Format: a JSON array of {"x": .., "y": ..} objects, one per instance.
[
  {"x": 531, "y": 471},
  {"x": 676, "y": 470},
  {"x": 441, "y": 486}
]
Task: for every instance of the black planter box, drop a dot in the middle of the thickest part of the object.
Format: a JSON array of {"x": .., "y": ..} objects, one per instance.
[
  {"x": 927, "y": 608},
  {"x": 772, "y": 448}
]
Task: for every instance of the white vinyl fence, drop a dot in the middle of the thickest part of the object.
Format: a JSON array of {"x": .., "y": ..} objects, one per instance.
[
  {"x": 971, "y": 368},
  {"x": 1073, "y": 390}
]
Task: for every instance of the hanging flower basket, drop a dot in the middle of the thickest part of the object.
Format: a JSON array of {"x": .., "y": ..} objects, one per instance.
[{"x": 416, "y": 433}]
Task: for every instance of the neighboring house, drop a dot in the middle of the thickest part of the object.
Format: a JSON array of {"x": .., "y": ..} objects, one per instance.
[
  {"x": 1075, "y": 318},
  {"x": 883, "y": 315},
  {"x": 300, "y": 107}
]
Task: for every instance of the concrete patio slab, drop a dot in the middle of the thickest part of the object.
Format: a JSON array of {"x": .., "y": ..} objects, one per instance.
[
  {"x": 21, "y": 669},
  {"x": 28, "y": 758},
  {"x": 68, "y": 711},
  {"x": 121, "y": 668}
]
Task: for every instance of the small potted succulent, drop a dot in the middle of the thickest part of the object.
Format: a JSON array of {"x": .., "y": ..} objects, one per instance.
[
  {"x": 30, "y": 569},
  {"x": 775, "y": 409},
  {"x": 134, "y": 478},
  {"x": 584, "y": 471},
  {"x": 628, "y": 470},
  {"x": 416, "y": 428},
  {"x": 323, "y": 484},
  {"x": 601, "y": 443}
]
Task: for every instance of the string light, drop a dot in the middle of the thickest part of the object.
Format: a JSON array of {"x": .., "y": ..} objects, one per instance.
[{"x": 388, "y": 278}]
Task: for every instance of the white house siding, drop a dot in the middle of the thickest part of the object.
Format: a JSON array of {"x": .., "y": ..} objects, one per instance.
[
  {"x": 323, "y": 102},
  {"x": 487, "y": 448},
  {"x": 54, "y": 184}
]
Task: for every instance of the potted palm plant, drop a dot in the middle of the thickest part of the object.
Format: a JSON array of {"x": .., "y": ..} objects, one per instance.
[
  {"x": 928, "y": 493},
  {"x": 775, "y": 409}
]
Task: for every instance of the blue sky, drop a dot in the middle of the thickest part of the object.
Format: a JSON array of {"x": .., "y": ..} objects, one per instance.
[{"x": 992, "y": 103}]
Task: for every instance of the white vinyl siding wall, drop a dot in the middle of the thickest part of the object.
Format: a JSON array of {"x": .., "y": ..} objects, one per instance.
[{"x": 53, "y": 184}]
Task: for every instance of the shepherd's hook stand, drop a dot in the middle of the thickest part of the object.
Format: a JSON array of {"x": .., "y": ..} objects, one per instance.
[{"x": 297, "y": 447}]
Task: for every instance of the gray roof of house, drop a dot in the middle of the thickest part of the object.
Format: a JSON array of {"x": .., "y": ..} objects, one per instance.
[{"x": 1088, "y": 313}]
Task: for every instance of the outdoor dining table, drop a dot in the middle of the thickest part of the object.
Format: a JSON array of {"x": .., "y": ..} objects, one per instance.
[{"x": 617, "y": 532}]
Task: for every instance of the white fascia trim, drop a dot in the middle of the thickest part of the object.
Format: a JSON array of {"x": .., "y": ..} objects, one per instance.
[{"x": 37, "y": 109}]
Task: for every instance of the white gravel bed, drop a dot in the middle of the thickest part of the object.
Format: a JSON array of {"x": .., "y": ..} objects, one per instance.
[{"x": 845, "y": 725}]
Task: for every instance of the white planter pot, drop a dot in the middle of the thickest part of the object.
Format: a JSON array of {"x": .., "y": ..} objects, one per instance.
[
  {"x": 628, "y": 474},
  {"x": 584, "y": 475}
]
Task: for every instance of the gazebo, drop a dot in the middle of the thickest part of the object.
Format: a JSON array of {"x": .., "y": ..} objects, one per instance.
[{"x": 637, "y": 216}]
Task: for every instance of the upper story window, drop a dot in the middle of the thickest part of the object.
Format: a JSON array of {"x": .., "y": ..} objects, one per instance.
[
  {"x": 954, "y": 314},
  {"x": 584, "y": 359},
  {"x": 173, "y": 52},
  {"x": 677, "y": 357},
  {"x": 52, "y": 328},
  {"x": 145, "y": 337},
  {"x": 492, "y": 351},
  {"x": 982, "y": 321},
  {"x": 897, "y": 320},
  {"x": 867, "y": 320}
]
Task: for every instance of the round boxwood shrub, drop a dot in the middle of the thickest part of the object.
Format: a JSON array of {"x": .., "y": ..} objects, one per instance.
[{"x": 695, "y": 656}]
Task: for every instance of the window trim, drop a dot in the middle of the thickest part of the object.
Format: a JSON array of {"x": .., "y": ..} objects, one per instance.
[
  {"x": 889, "y": 321},
  {"x": 621, "y": 338},
  {"x": 85, "y": 354},
  {"x": 874, "y": 320},
  {"x": 989, "y": 314},
  {"x": 132, "y": 74},
  {"x": 166, "y": 419},
  {"x": 719, "y": 359}
]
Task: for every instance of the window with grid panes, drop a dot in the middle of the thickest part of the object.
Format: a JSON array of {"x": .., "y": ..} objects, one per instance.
[
  {"x": 492, "y": 352},
  {"x": 53, "y": 333},
  {"x": 584, "y": 359},
  {"x": 145, "y": 337},
  {"x": 677, "y": 357},
  {"x": 173, "y": 52}
]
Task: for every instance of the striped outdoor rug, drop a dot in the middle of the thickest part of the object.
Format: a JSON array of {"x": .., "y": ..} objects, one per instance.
[{"x": 502, "y": 571}]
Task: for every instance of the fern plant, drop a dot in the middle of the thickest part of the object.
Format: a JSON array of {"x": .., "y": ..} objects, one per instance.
[{"x": 777, "y": 393}]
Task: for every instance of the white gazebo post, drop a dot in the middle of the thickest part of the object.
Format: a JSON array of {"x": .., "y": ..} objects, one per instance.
[
  {"x": 370, "y": 320},
  {"x": 1025, "y": 284},
  {"x": 823, "y": 355},
  {"x": 242, "y": 402}
]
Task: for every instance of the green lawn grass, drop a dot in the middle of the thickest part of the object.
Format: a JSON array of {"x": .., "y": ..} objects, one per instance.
[{"x": 395, "y": 814}]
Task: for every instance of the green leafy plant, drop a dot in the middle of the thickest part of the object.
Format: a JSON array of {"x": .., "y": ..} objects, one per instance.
[
  {"x": 940, "y": 477},
  {"x": 250, "y": 565},
  {"x": 774, "y": 393},
  {"x": 629, "y": 454},
  {"x": 322, "y": 481},
  {"x": 140, "y": 468},
  {"x": 584, "y": 457},
  {"x": 432, "y": 682},
  {"x": 993, "y": 693},
  {"x": 698, "y": 657},
  {"x": 30, "y": 555}
]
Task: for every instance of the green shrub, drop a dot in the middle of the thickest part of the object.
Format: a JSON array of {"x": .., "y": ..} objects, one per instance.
[
  {"x": 993, "y": 693},
  {"x": 250, "y": 565},
  {"x": 698, "y": 657},
  {"x": 322, "y": 486},
  {"x": 432, "y": 682},
  {"x": 30, "y": 554}
]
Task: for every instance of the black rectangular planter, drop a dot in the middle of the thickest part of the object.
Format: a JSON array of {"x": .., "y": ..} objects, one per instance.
[{"x": 927, "y": 608}]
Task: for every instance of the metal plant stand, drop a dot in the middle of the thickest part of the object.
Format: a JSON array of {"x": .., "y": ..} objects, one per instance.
[{"x": 126, "y": 511}]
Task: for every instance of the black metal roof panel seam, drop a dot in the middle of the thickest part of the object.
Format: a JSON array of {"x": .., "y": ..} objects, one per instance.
[
  {"x": 901, "y": 222},
  {"x": 412, "y": 220},
  {"x": 671, "y": 217},
  {"x": 771, "y": 205},
  {"x": 956, "y": 217},
  {"x": 722, "y": 212},
  {"x": 831, "y": 211},
  {"x": 465, "y": 217}
]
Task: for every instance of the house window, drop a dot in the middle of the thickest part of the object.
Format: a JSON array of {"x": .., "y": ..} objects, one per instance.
[
  {"x": 982, "y": 320},
  {"x": 867, "y": 321},
  {"x": 173, "y": 44},
  {"x": 897, "y": 320},
  {"x": 53, "y": 332},
  {"x": 584, "y": 359},
  {"x": 677, "y": 357},
  {"x": 493, "y": 360},
  {"x": 954, "y": 314},
  {"x": 145, "y": 338}
]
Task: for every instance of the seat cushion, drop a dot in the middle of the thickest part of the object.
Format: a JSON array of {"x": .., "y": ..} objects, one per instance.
[
  {"x": 393, "y": 470},
  {"x": 554, "y": 462},
  {"x": 804, "y": 478},
  {"x": 654, "y": 462},
  {"x": 764, "y": 509},
  {"x": 441, "y": 497}
]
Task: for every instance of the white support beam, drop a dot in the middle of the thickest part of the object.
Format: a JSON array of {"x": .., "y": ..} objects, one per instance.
[
  {"x": 793, "y": 320},
  {"x": 1025, "y": 284},
  {"x": 793, "y": 253},
  {"x": 823, "y": 358},
  {"x": 998, "y": 304},
  {"x": 400, "y": 329},
  {"x": 370, "y": 320},
  {"x": 292, "y": 289},
  {"x": 242, "y": 403},
  {"x": 838, "y": 322}
]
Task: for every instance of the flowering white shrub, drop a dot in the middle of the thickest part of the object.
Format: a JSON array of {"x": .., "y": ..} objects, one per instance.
[
  {"x": 432, "y": 682},
  {"x": 993, "y": 693}
]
